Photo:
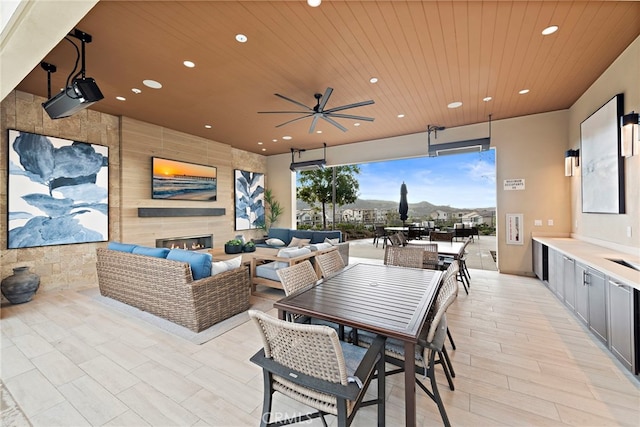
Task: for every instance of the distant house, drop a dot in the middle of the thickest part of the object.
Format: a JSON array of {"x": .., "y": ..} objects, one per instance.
[
  {"x": 308, "y": 217},
  {"x": 472, "y": 218},
  {"x": 439, "y": 215}
]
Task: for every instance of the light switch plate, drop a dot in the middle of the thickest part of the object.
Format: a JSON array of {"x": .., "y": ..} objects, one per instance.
[
  {"x": 549, "y": 222},
  {"x": 537, "y": 222}
]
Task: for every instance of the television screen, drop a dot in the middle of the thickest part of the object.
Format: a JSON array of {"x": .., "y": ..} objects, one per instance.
[{"x": 177, "y": 180}]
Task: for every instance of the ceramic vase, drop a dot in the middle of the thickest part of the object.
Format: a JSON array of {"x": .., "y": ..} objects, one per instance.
[{"x": 21, "y": 286}]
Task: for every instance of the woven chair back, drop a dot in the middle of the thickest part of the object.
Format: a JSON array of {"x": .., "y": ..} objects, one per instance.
[
  {"x": 330, "y": 263},
  {"x": 439, "y": 236},
  {"x": 404, "y": 256},
  {"x": 311, "y": 349},
  {"x": 431, "y": 260},
  {"x": 446, "y": 296},
  {"x": 297, "y": 277},
  {"x": 452, "y": 270}
]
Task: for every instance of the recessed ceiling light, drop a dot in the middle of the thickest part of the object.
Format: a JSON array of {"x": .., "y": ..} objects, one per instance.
[
  {"x": 356, "y": 124},
  {"x": 286, "y": 137},
  {"x": 136, "y": 90},
  {"x": 274, "y": 140},
  {"x": 373, "y": 80},
  {"x": 318, "y": 131},
  {"x": 241, "y": 38},
  {"x": 400, "y": 116},
  {"x": 121, "y": 98},
  {"x": 208, "y": 126},
  {"x": 523, "y": 91},
  {"x": 259, "y": 142},
  {"x": 550, "y": 30},
  {"x": 152, "y": 84},
  {"x": 314, "y": 3},
  {"x": 189, "y": 64},
  {"x": 487, "y": 99},
  {"x": 455, "y": 104},
  {"x": 264, "y": 149}
]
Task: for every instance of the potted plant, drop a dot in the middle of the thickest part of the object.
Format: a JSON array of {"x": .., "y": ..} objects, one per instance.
[
  {"x": 249, "y": 247},
  {"x": 233, "y": 246},
  {"x": 273, "y": 210}
]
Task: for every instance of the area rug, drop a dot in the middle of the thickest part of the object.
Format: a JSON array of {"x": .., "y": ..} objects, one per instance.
[{"x": 214, "y": 331}]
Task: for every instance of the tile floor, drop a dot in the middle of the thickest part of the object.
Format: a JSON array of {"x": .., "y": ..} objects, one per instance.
[{"x": 522, "y": 360}]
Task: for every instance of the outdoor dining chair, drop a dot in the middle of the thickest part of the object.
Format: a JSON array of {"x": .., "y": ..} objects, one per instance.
[
  {"x": 298, "y": 277},
  {"x": 309, "y": 364},
  {"x": 380, "y": 233},
  {"x": 430, "y": 346},
  {"x": 404, "y": 256},
  {"x": 329, "y": 263},
  {"x": 463, "y": 274},
  {"x": 441, "y": 236}
]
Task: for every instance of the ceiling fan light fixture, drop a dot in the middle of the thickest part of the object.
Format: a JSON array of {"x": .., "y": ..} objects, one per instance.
[
  {"x": 314, "y": 3},
  {"x": 550, "y": 30}
]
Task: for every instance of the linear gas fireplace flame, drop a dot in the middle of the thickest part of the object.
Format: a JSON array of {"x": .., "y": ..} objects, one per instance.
[{"x": 190, "y": 243}]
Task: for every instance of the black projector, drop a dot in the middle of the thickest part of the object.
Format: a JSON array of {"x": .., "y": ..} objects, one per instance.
[{"x": 79, "y": 95}]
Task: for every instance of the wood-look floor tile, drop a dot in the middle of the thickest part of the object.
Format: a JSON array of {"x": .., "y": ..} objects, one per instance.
[
  {"x": 245, "y": 396},
  {"x": 580, "y": 418},
  {"x": 155, "y": 408},
  {"x": 57, "y": 368},
  {"x": 13, "y": 362},
  {"x": 62, "y": 414},
  {"x": 123, "y": 354},
  {"x": 166, "y": 381},
  {"x": 92, "y": 400},
  {"x": 128, "y": 419},
  {"x": 32, "y": 345},
  {"x": 33, "y": 392},
  {"x": 510, "y": 415},
  {"x": 109, "y": 374},
  {"x": 217, "y": 411}
]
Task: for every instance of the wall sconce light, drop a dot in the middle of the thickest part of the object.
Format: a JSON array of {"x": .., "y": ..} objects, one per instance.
[
  {"x": 571, "y": 161},
  {"x": 630, "y": 134}
]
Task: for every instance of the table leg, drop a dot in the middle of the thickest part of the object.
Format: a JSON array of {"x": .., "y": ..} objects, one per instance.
[
  {"x": 282, "y": 315},
  {"x": 409, "y": 384}
]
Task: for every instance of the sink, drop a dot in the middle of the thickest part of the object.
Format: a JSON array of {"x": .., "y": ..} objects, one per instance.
[{"x": 628, "y": 264}]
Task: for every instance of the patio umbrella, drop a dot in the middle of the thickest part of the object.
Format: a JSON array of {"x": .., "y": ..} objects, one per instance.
[{"x": 404, "y": 205}]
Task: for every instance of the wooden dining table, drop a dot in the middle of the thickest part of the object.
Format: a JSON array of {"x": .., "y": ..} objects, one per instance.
[{"x": 387, "y": 300}]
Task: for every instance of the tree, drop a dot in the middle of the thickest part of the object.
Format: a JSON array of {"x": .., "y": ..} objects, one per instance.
[{"x": 316, "y": 187}]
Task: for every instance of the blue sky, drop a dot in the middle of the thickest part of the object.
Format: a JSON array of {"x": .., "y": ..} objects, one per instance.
[{"x": 460, "y": 181}]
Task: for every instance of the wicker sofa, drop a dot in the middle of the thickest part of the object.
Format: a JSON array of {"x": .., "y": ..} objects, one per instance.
[{"x": 166, "y": 288}]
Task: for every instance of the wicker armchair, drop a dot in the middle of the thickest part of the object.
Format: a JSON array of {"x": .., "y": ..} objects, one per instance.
[
  {"x": 404, "y": 256},
  {"x": 166, "y": 288},
  {"x": 430, "y": 345},
  {"x": 431, "y": 260},
  {"x": 329, "y": 263},
  {"x": 309, "y": 364}
]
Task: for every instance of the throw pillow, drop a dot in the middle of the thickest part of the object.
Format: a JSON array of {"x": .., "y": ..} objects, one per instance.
[
  {"x": 234, "y": 263},
  {"x": 218, "y": 267},
  {"x": 320, "y": 246},
  {"x": 200, "y": 262},
  {"x": 290, "y": 253},
  {"x": 274, "y": 242},
  {"x": 298, "y": 243},
  {"x": 333, "y": 242}
]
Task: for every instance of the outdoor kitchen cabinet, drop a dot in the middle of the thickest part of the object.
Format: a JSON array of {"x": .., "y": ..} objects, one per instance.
[
  {"x": 568, "y": 278},
  {"x": 591, "y": 300},
  {"x": 621, "y": 323},
  {"x": 555, "y": 273}
]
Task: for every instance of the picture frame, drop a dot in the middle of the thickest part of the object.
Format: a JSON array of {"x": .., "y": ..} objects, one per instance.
[
  {"x": 58, "y": 191},
  {"x": 515, "y": 229},
  {"x": 178, "y": 180},
  {"x": 602, "y": 166},
  {"x": 249, "y": 200}
]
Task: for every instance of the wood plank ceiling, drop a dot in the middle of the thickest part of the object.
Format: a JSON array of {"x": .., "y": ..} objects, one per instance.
[{"x": 424, "y": 54}]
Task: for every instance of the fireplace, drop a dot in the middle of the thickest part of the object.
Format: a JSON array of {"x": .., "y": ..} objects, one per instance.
[{"x": 190, "y": 243}]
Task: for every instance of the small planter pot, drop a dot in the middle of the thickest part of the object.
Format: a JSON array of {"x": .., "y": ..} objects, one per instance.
[
  {"x": 232, "y": 249},
  {"x": 21, "y": 286},
  {"x": 249, "y": 249}
]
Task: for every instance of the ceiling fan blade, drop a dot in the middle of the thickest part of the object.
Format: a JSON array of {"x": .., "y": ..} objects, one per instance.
[
  {"x": 349, "y": 116},
  {"x": 324, "y": 99},
  {"x": 283, "y": 112},
  {"x": 294, "y": 120},
  {"x": 346, "y": 107},
  {"x": 294, "y": 101},
  {"x": 313, "y": 122},
  {"x": 333, "y": 122}
]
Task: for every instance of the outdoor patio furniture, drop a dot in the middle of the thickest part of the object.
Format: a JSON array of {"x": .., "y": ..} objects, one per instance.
[
  {"x": 430, "y": 345},
  {"x": 441, "y": 236},
  {"x": 329, "y": 263},
  {"x": 404, "y": 256},
  {"x": 309, "y": 364},
  {"x": 380, "y": 233}
]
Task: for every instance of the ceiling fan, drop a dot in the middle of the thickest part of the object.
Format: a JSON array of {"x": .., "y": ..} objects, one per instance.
[{"x": 319, "y": 112}]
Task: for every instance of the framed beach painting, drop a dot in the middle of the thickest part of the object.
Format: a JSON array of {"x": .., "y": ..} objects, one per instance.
[
  {"x": 602, "y": 166},
  {"x": 176, "y": 180},
  {"x": 58, "y": 191},
  {"x": 249, "y": 200}
]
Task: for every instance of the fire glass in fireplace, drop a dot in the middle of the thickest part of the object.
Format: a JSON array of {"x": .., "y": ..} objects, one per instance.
[{"x": 191, "y": 243}]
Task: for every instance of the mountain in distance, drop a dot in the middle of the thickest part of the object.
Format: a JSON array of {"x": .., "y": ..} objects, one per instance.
[{"x": 415, "y": 209}]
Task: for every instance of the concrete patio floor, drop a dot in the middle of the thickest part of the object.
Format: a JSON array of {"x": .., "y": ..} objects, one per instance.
[{"x": 478, "y": 252}]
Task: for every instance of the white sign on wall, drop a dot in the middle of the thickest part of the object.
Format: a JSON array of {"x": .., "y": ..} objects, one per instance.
[{"x": 514, "y": 184}]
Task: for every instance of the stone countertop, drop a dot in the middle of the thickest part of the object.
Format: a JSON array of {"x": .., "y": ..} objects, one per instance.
[{"x": 597, "y": 257}]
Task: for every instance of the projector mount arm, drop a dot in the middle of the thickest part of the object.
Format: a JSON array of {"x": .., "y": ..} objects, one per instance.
[{"x": 49, "y": 68}]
